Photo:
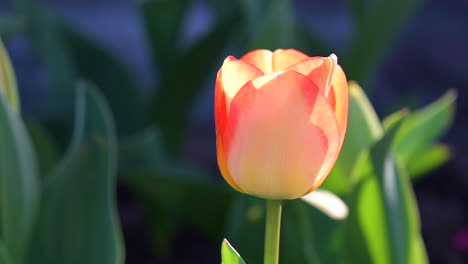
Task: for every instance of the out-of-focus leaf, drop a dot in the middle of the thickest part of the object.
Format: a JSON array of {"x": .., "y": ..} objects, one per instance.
[
  {"x": 123, "y": 93},
  {"x": 422, "y": 127},
  {"x": 163, "y": 21},
  {"x": 384, "y": 216},
  {"x": 363, "y": 129},
  {"x": 78, "y": 221},
  {"x": 245, "y": 226},
  {"x": 430, "y": 159},
  {"x": 229, "y": 255},
  {"x": 44, "y": 31},
  {"x": 307, "y": 235},
  {"x": 328, "y": 203},
  {"x": 178, "y": 91},
  {"x": 19, "y": 185},
  {"x": 7, "y": 79},
  {"x": 10, "y": 25},
  {"x": 377, "y": 24},
  {"x": 4, "y": 255},
  {"x": 45, "y": 145},
  {"x": 276, "y": 28},
  {"x": 172, "y": 186}
]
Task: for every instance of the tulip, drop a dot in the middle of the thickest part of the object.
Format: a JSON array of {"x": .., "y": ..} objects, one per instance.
[{"x": 280, "y": 119}]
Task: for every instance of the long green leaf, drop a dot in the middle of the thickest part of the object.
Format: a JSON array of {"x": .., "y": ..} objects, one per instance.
[
  {"x": 432, "y": 158},
  {"x": 78, "y": 221},
  {"x": 19, "y": 185},
  {"x": 384, "y": 215},
  {"x": 7, "y": 79},
  {"x": 422, "y": 127}
]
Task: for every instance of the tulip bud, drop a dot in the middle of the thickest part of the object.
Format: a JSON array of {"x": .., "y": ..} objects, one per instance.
[{"x": 281, "y": 119}]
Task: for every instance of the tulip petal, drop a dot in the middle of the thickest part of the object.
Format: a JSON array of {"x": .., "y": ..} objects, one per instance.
[
  {"x": 339, "y": 99},
  {"x": 282, "y": 136},
  {"x": 319, "y": 69},
  {"x": 234, "y": 74},
  {"x": 223, "y": 167},
  {"x": 261, "y": 59},
  {"x": 220, "y": 110},
  {"x": 282, "y": 58}
]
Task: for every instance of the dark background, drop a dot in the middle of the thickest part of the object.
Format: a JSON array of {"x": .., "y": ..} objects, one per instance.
[{"x": 425, "y": 59}]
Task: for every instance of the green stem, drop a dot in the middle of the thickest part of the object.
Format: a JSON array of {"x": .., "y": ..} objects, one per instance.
[{"x": 272, "y": 231}]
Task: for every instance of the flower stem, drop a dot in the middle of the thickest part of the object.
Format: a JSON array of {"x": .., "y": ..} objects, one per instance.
[{"x": 272, "y": 231}]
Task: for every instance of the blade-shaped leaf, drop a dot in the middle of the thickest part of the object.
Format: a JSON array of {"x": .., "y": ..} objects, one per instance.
[
  {"x": 422, "y": 127},
  {"x": 363, "y": 130},
  {"x": 19, "y": 185},
  {"x": 77, "y": 220},
  {"x": 384, "y": 216},
  {"x": 430, "y": 159},
  {"x": 7, "y": 79},
  {"x": 229, "y": 255}
]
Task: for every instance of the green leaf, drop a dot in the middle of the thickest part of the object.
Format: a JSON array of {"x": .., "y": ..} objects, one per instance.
[
  {"x": 430, "y": 159},
  {"x": 422, "y": 127},
  {"x": 7, "y": 79},
  {"x": 44, "y": 144},
  {"x": 19, "y": 185},
  {"x": 78, "y": 221},
  {"x": 363, "y": 130},
  {"x": 245, "y": 226},
  {"x": 229, "y": 255},
  {"x": 171, "y": 191},
  {"x": 384, "y": 216},
  {"x": 121, "y": 90},
  {"x": 4, "y": 255},
  {"x": 309, "y": 236},
  {"x": 179, "y": 89}
]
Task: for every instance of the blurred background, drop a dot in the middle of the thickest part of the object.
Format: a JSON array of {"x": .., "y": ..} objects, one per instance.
[{"x": 155, "y": 62}]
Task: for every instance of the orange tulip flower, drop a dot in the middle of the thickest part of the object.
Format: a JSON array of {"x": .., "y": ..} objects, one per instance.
[{"x": 281, "y": 119}]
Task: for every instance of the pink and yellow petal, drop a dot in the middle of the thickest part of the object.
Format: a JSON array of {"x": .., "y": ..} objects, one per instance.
[
  {"x": 319, "y": 69},
  {"x": 281, "y": 132},
  {"x": 339, "y": 88},
  {"x": 283, "y": 58},
  {"x": 261, "y": 59},
  {"x": 221, "y": 155},
  {"x": 234, "y": 74}
]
